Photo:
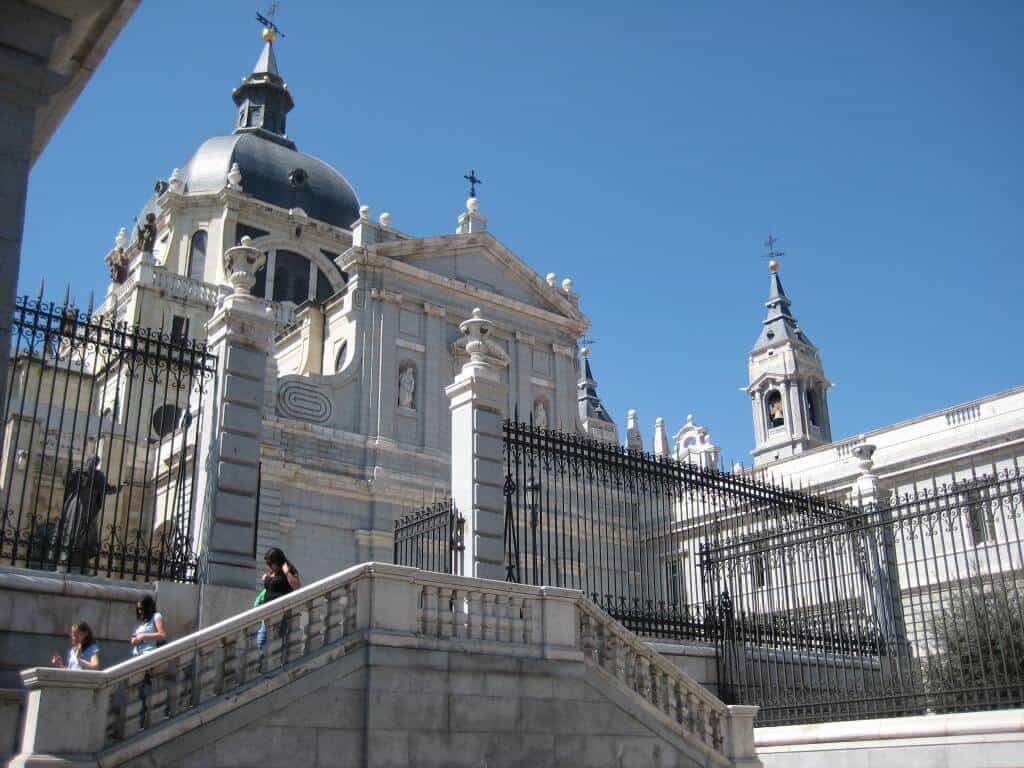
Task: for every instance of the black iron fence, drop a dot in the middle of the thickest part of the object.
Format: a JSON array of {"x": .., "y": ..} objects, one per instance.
[
  {"x": 431, "y": 538},
  {"x": 926, "y": 591},
  {"x": 98, "y": 460},
  {"x": 819, "y": 610},
  {"x": 629, "y": 529}
]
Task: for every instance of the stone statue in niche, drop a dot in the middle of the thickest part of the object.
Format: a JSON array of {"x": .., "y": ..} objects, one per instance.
[
  {"x": 406, "y": 387},
  {"x": 540, "y": 415}
]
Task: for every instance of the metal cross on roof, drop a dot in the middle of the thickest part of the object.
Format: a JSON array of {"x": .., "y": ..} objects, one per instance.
[
  {"x": 473, "y": 181},
  {"x": 268, "y": 20},
  {"x": 770, "y": 245}
]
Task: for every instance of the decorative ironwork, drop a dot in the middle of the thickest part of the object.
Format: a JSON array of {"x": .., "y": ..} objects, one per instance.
[
  {"x": 906, "y": 607},
  {"x": 431, "y": 538},
  {"x": 819, "y": 610},
  {"x": 99, "y": 445},
  {"x": 630, "y": 529}
]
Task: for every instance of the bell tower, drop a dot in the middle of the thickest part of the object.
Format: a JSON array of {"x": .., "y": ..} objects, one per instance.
[{"x": 787, "y": 385}]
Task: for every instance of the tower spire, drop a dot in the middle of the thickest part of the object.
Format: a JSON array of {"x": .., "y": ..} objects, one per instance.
[
  {"x": 263, "y": 99},
  {"x": 786, "y": 380}
]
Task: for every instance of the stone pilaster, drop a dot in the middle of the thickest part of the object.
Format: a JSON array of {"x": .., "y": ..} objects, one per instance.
[
  {"x": 239, "y": 334},
  {"x": 478, "y": 399},
  {"x": 521, "y": 381},
  {"x": 434, "y": 379},
  {"x": 387, "y": 392},
  {"x": 564, "y": 417}
]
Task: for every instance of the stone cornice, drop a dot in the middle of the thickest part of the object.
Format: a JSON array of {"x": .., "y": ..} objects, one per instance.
[
  {"x": 240, "y": 202},
  {"x": 384, "y": 256}
]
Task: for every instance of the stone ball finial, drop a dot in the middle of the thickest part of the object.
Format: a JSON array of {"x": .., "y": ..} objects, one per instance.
[
  {"x": 385, "y": 219},
  {"x": 472, "y": 205},
  {"x": 364, "y": 211},
  {"x": 689, "y": 418},
  {"x": 122, "y": 238},
  {"x": 235, "y": 177},
  {"x": 567, "y": 285},
  {"x": 659, "y": 422},
  {"x": 552, "y": 278},
  {"x": 631, "y": 413}
]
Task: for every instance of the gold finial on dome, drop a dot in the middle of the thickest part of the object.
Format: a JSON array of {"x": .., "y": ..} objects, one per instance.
[
  {"x": 585, "y": 351},
  {"x": 773, "y": 266},
  {"x": 269, "y": 35}
]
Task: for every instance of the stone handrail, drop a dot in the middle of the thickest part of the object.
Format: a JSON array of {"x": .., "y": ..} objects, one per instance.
[
  {"x": 147, "y": 700},
  {"x": 620, "y": 653},
  {"x": 182, "y": 287}
]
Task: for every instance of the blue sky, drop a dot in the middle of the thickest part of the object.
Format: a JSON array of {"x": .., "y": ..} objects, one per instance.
[{"x": 645, "y": 150}]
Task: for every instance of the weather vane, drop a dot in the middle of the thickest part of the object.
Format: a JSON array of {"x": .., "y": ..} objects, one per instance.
[
  {"x": 473, "y": 181},
  {"x": 268, "y": 20},
  {"x": 770, "y": 245}
]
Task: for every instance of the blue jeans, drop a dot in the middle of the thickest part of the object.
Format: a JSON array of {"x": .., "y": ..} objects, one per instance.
[{"x": 281, "y": 632}]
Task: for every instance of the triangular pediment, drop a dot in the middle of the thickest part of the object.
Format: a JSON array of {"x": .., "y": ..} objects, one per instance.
[{"x": 482, "y": 262}]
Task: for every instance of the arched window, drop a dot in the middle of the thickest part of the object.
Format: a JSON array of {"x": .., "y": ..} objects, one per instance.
[
  {"x": 812, "y": 411},
  {"x": 291, "y": 277},
  {"x": 774, "y": 410},
  {"x": 197, "y": 255}
]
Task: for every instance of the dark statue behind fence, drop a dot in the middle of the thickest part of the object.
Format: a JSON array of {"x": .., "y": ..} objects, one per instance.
[{"x": 101, "y": 425}]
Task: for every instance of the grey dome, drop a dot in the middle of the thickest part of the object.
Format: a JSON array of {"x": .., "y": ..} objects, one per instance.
[{"x": 267, "y": 174}]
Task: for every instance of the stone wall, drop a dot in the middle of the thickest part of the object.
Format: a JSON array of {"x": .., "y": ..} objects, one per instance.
[
  {"x": 411, "y": 707},
  {"x": 967, "y": 740}
]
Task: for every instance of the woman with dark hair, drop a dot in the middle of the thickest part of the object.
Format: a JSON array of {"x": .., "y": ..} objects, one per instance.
[
  {"x": 83, "y": 653},
  {"x": 281, "y": 578},
  {"x": 150, "y": 634}
]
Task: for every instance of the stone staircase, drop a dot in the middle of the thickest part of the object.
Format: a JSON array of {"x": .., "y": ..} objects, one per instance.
[{"x": 386, "y": 665}]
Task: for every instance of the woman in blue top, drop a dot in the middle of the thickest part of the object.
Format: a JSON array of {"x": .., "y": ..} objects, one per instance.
[
  {"x": 84, "y": 653},
  {"x": 150, "y": 633}
]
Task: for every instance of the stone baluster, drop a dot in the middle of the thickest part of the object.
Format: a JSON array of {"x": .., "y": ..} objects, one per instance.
[
  {"x": 503, "y": 622},
  {"x": 691, "y": 712},
  {"x": 350, "y": 617},
  {"x": 429, "y": 622},
  {"x": 459, "y": 618},
  {"x": 444, "y": 607},
  {"x": 515, "y": 610},
  {"x": 490, "y": 623},
  {"x": 475, "y": 615},
  {"x": 678, "y": 712},
  {"x": 644, "y": 677}
]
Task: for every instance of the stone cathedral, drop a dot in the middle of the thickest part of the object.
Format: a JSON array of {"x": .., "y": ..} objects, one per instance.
[{"x": 356, "y": 429}]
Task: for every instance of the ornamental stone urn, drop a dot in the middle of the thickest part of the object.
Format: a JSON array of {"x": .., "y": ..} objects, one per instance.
[{"x": 241, "y": 264}]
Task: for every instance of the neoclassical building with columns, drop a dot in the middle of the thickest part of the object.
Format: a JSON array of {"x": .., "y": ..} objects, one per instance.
[{"x": 355, "y": 422}]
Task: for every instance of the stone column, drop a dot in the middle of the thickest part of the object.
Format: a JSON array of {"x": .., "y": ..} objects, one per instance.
[
  {"x": 880, "y": 568},
  {"x": 478, "y": 399},
  {"x": 239, "y": 334}
]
